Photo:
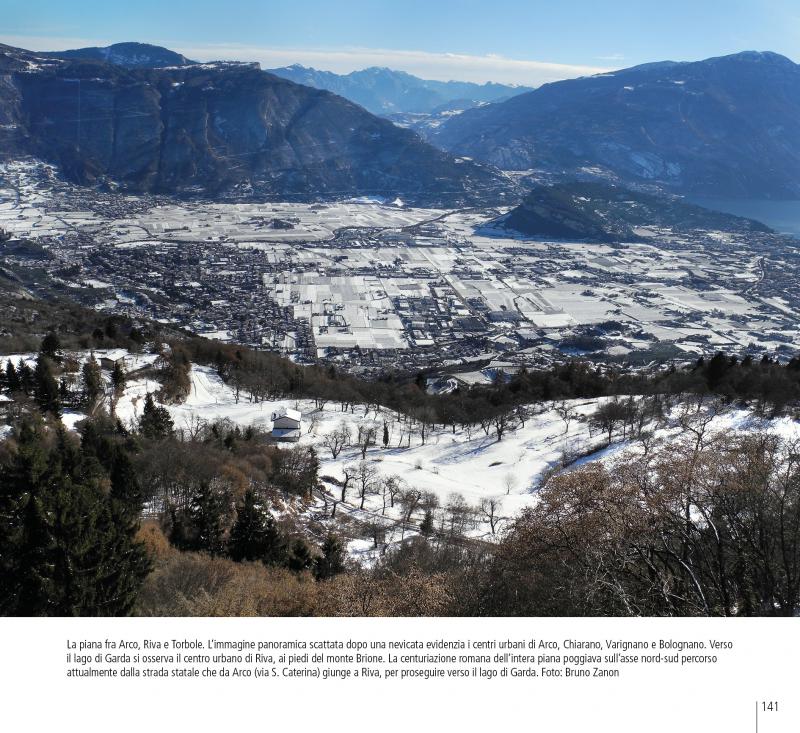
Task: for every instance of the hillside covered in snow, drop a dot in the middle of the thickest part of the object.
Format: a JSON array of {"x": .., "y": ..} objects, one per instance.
[
  {"x": 383, "y": 474},
  {"x": 156, "y": 473}
]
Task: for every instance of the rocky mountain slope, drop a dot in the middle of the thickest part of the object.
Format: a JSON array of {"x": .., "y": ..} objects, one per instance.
[
  {"x": 221, "y": 129},
  {"x": 726, "y": 127}
]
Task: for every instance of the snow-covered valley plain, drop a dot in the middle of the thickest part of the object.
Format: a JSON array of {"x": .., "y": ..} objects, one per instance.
[{"x": 370, "y": 284}]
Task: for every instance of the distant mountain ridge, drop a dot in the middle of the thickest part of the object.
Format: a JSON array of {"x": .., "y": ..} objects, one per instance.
[
  {"x": 129, "y": 54},
  {"x": 725, "y": 127},
  {"x": 217, "y": 129},
  {"x": 385, "y": 91}
]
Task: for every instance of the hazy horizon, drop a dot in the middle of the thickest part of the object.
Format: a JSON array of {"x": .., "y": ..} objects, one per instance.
[{"x": 509, "y": 41}]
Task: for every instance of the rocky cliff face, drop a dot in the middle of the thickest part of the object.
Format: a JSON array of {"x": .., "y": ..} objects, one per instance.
[
  {"x": 218, "y": 129},
  {"x": 726, "y": 126}
]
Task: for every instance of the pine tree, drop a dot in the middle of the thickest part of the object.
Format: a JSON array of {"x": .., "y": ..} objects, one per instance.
[
  {"x": 45, "y": 387},
  {"x": 385, "y": 435},
  {"x": 35, "y": 592},
  {"x": 12, "y": 378},
  {"x": 254, "y": 535},
  {"x": 64, "y": 394},
  {"x": 180, "y": 531},
  {"x": 65, "y": 548},
  {"x": 99, "y": 565},
  {"x": 125, "y": 562},
  {"x": 155, "y": 422},
  {"x": 426, "y": 526},
  {"x": 126, "y": 493},
  {"x": 26, "y": 379},
  {"x": 208, "y": 512},
  {"x": 332, "y": 561},
  {"x": 104, "y": 455},
  {"x": 299, "y": 556},
  {"x": 118, "y": 379},
  {"x": 20, "y": 514},
  {"x": 92, "y": 382},
  {"x": 79, "y": 546},
  {"x": 51, "y": 348}
]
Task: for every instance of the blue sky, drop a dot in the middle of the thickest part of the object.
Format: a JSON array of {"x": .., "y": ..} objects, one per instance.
[{"x": 502, "y": 40}]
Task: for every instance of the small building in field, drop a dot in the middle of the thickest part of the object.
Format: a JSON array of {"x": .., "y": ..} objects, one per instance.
[
  {"x": 111, "y": 358},
  {"x": 287, "y": 424}
]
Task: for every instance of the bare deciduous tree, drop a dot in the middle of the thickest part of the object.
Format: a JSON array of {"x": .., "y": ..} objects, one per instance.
[
  {"x": 337, "y": 439},
  {"x": 489, "y": 509},
  {"x": 366, "y": 437},
  {"x": 350, "y": 471},
  {"x": 566, "y": 412},
  {"x": 502, "y": 422},
  {"x": 392, "y": 487},
  {"x": 367, "y": 477}
]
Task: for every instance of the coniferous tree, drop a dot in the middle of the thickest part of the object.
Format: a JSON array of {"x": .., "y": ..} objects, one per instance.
[
  {"x": 155, "y": 422},
  {"x": 92, "y": 382},
  {"x": 99, "y": 565},
  {"x": 426, "y": 526},
  {"x": 125, "y": 564},
  {"x": 51, "y": 348},
  {"x": 299, "y": 556},
  {"x": 65, "y": 549},
  {"x": 254, "y": 535},
  {"x": 64, "y": 393},
  {"x": 105, "y": 455},
  {"x": 118, "y": 379},
  {"x": 385, "y": 435},
  {"x": 332, "y": 561},
  {"x": 21, "y": 519},
  {"x": 13, "y": 383},
  {"x": 79, "y": 546},
  {"x": 32, "y": 579},
  {"x": 180, "y": 531},
  {"x": 26, "y": 380},
  {"x": 45, "y": 387},
  {"x": 208, "y": 512},
  {"x": 126, "y": 492}
]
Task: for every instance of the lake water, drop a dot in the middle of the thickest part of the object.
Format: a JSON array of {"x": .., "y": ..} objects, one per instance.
[{"x": 782, "y": 216}]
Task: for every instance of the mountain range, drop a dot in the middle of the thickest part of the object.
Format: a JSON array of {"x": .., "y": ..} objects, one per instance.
[
  {"x": 385, "y": 91},
  {"x": 221, "y": 129},
  {"x": 148, "y": 119},
  {"x": 725, "y": 127}
]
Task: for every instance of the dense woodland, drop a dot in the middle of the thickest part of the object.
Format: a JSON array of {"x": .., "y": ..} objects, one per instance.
[{"x": 150, "y": 519}]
